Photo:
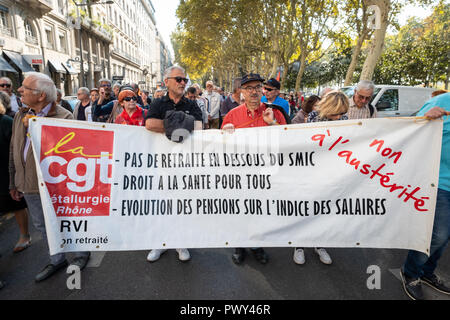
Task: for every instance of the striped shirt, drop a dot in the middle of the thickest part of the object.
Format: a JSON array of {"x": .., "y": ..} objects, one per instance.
[{"x": 360, "y": 113}]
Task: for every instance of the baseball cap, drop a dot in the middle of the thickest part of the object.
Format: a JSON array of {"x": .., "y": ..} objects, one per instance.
[
  {"x": 251, "y": 77},
  {"x": 274, "y": 83}
]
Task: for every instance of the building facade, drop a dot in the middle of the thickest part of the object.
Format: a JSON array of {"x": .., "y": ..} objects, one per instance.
[{"x": 79, "y": 42}]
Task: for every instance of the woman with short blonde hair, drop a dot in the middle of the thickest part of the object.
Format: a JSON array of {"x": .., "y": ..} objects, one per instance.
[{"x": 333, "y": 106}]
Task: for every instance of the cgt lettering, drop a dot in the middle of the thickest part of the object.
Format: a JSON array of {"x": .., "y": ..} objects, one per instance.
[{"x": 56, "y": 169}]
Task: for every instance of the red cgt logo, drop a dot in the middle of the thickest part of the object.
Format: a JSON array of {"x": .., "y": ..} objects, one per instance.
[{"x": 77, "y": 165}]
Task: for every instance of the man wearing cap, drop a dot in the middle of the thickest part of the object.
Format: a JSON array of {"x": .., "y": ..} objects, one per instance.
[
  {"x": 175, "y": 81},
  {"x": 252, "y": 113},
  {"x": 271, "y": 95}
]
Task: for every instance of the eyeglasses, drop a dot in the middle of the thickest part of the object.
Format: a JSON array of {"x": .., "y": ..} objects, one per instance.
[
  {"x": 5, "y": 85},
  {"x": 28, "y": 88},
  {"x": 268, "y": 89},
  {"x": 364, "y": 98},
  {"x": 127, "y": 99},
  {"x": 249, "y": 88},
  {"x": 179, "y": 79},
  {"x": 338, "y": 114}
]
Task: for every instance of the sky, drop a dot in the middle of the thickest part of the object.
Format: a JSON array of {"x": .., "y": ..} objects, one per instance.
[{"x": 166, "y": 19}]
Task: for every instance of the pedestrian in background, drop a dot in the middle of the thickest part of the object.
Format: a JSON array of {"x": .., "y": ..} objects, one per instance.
[
  {"x": 63, "y": 103},
  {"x": 306, "y": 108},
  {"x": 7, "y": 204}
]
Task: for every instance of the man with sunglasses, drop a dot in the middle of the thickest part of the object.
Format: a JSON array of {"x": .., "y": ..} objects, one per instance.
[
  {"x": 271, "y": 92},
  {"x": 360, "y": 107},
  {"x": 6, "y": 86},
  {"x": 175, "y": 81}
]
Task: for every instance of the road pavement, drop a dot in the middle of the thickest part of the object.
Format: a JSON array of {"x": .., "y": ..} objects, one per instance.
[{"x": 210, "y": 274}]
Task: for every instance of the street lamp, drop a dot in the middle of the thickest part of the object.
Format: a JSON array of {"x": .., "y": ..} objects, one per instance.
[{"x": 83, "y": 83}]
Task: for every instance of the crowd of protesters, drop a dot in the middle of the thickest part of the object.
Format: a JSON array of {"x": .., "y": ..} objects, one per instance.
[{"x": 253, "y": 102}]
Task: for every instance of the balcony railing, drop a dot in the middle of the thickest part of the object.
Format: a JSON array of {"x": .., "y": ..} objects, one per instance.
[
  {"x": 5, "y": 31},
  {"x": 31, "y": 39},
  {"x": 126, "y": 55}
]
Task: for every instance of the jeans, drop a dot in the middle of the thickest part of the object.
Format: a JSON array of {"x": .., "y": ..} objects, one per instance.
[
  {"x": 37, "y": 217},
  {"x": 418, "y": 264}
]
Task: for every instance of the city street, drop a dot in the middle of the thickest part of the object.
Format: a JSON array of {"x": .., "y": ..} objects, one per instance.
[{"x": 210, "y": 275}]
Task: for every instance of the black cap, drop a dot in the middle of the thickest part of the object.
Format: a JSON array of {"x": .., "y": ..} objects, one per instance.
[
  {"x": 274, "y": 83},
  {"x": 251, "y": 77}
]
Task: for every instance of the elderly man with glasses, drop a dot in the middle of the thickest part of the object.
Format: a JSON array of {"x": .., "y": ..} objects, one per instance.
[
  {"x": 39, "y": 93},
  {"x": 360, "y": 107},
  {"x": 251, "y": 114}
]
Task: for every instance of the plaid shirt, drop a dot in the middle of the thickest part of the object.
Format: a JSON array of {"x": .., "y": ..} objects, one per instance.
[{"x": 360, "y": 113}]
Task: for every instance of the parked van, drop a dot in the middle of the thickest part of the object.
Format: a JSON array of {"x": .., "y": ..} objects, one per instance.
[{"x": 396, "y": 101}]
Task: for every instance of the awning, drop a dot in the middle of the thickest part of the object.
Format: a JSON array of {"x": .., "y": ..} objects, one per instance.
[
  {"x": 5, "y": 66},
  {"x": 56, "y": 66},
  {"x": 69, "y": 68},
  {"x": 17, "y": 60},
  {"x": 34, "y": 59}
]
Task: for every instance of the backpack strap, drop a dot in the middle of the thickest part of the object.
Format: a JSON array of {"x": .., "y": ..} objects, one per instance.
[{"x": 371, "y": 109}]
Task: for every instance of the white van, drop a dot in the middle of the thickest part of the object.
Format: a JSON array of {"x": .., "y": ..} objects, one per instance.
[{"x": 396, "y": 101}]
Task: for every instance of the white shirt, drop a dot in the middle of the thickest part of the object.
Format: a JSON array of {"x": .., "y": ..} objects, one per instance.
[{"x": 14, "y": 104}]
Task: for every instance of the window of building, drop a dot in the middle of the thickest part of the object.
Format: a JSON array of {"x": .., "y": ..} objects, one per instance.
[
  {"x": 30, "y": 35},
  {"x": 49, "y": 37},
  {"x": 62, "y": 7},
  {"x": 4, "y": 23},
  {"x": 62, "y": 42}
]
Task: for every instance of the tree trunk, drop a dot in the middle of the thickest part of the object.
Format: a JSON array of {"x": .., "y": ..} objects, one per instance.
[
  {"x": 377, "y": 43},
  {"x": 301, "y": 71},
  {"x": 283, "y": 77}
]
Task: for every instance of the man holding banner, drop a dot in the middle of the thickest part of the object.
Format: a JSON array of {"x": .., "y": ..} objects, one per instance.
[
  {"x": 251, "y": 114},
  {"x": 39, "y": 93},
  {"x": 419, "y": 267},
  {"x": 175, "y": 80}
]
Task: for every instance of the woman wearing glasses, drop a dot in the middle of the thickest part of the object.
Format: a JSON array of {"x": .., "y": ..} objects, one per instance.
[
  {"x": 332, "y": 107},
  {"x": 132, "y": 114}
]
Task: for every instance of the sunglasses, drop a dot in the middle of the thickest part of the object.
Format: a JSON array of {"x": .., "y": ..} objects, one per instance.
[
  {"x": 105, "y": 85},
  {"x": 128, "y": 99},
  {"x": 5, "y": 85},
  {"x": 179, "y": 79},
  {"x": 268, "y": 89}
]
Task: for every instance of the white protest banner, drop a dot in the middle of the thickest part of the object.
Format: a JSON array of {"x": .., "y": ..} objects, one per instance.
[{"x": 364, "y": 183}]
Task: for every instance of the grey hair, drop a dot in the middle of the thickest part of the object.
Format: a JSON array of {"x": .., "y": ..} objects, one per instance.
[
  {"x": 8, "y": 80},
  {"x": 325, "y": 91},
  {"x": 170, "y": 69},
  {"x": 116, "y": 85},
  {"x": 85, "y": 90},
  {"x": 44, "y": 84},
  {"x": 365, "y": 85},
  {"x": 5, "y": 100},
  {"x": 104, "y": 80}
]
